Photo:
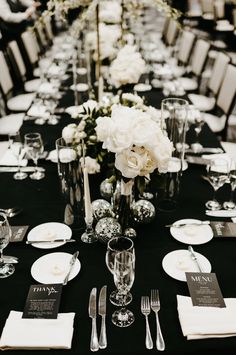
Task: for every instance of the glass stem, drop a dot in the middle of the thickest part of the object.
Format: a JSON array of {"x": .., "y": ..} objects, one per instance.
[
  {"x": 1, "y": 258},
  {"x": 36, "y": 166}
]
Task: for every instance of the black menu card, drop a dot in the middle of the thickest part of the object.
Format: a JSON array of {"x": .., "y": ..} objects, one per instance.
[
  {"x": 223, "y": 229},
  {"x": 18, "y": 233},
  {"x": 43, "y": 301},
  {"x": 204, "y": 289}
]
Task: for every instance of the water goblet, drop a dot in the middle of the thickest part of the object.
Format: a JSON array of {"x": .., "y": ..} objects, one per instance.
[
  {"x": 5, "y": 235},
  {"x": 199, "y": 122},
  {"x": 114, "y": 246},
  {"x": 217, "y": 171},
  {"x": 124, "y": 270},
  {"x": 230, "y": 205},
  {"x": 17, "y": 149},
  {"x": 34, "y": 147}
]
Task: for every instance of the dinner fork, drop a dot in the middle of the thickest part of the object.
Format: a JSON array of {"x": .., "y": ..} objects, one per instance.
[
  {"x": 145, "y": 309},
  {"x": 155, "y": 306}
]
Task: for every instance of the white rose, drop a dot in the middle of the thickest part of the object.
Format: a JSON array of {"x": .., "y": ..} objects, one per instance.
[
  {"x": 66, "y": 155},
  {"x": 91, "y": 164},
  {"x": 129, "y": 163},
  {"x": 69, "y": 133}
]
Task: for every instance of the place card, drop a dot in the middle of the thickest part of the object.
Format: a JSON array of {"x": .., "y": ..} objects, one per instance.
[
  {"x": 204, "y": 289},
  {"x": 18, "y": 233},
  {"x": 223, "y": 229},
  {"x": 43, "y": 301}
]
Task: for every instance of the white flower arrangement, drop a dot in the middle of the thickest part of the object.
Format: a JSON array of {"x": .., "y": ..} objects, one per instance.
[
  {"x": 127, "y": 67},
  {"x": 91, "y": 164},
  {"x": 108, "y": 38},
  {"x": 138, "y": 142}
]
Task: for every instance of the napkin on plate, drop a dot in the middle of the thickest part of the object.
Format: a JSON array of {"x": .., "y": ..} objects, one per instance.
[
  {"x": 42, "y": 334},
  {"x": 38, "y": 111},
  {"x": 9, "y": 159},
  {"x": 206, "y": 322}
]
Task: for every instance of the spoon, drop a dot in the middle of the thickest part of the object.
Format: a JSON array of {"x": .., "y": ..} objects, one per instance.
[
  {"x": 11, "y": 212},
  {"x": 7, "y": 259}
]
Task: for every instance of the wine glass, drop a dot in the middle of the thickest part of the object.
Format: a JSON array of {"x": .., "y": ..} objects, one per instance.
[
  {"x": 5, "y": 235},
  {"x": 18, "y": 150},
  {"x": 199, "y": 122},
  {"x": 217, "y": 171},
  {"x": 230, "y": 205},
  {"x": 114, "y": 246},
  {"x": 124, "y": 266},
  {"x": 34, "y": 147}
]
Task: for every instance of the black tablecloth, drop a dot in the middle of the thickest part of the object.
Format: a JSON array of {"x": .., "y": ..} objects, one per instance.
[{"x": 41, "y": 202}]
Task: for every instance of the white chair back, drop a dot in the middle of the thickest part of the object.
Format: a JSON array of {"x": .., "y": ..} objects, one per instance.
[
  {"x": 207, "y": 6},
  {"x": 227, "y": 91},
  {"x": 199, "y": 56},
  {"x": 219, "y": 7},
  {"x": 48, "y": 28},
  {"x": 172, "y": 32},
  {"x": 41, "y": 34},
  {"x": 218, "y": 72},
  {"x": 234, "y": 17},
  {"x": 18, "y": 57},
  {"x": 194, "y": 8},
  {"x": 31, "y": 46},
  {"x": 185, "y": 46},
  {"x": 5, "y": 77}
]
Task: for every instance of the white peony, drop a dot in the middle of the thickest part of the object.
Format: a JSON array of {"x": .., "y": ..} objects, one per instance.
[
  {"x": 127, "y": 67},
  {"x": 110, "y": 11}
]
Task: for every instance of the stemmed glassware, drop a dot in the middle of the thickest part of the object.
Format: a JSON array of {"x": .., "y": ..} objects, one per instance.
[
  {"x": 199, "y": 122},
  {"x": 217, "y": 171},
  {"x": 124, "y": 272},
  {"x": 114, "y": 246},
  {"x": 17, "y": 149},
  {"x": 34, "y": 148},
  {"x": 230, "y": 205},
  {"x": 5, "y": 235}
]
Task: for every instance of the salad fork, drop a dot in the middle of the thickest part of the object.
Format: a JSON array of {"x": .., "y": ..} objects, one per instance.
[
  {"x": 155, "y": 306},
  {"x": 145, "y": 309}
]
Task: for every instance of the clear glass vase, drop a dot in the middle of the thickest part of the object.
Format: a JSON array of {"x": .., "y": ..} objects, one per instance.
[{"x": 124, "y": 206}]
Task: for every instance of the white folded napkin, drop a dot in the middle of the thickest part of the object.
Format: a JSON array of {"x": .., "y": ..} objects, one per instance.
[
  {"x": 42, "y": 334},
  {"x": 222, "y": 213},
  {"x": 224, "y": 156},
  {"x": 206, "y": 322},
  {"x": 11, "y": 123},
  {"x": 9, "y": 159}
]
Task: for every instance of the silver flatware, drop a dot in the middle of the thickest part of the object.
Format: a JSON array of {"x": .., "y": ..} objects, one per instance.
[
  {"x": 25, "y": 169},
  {"x": 9, "y": 260},
  {"x": 202, "y": 223},
  {"x": 102, "y": 305},
  {"x": 155, "y": 306},
  {"x": 194, "y": 257},
  {"x": 145, "y": 309},
  {"x": 221, "y": 213},
  {"x": 94, "y": 345},
  {"x": 11, "y": 212},
  {"x": 50, "y": 241},
  {"x": 72, "y": 263}
]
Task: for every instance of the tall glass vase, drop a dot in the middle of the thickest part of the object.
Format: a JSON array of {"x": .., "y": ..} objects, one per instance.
[
  {"x": 71, "y": 184},
  {"x": 124, "y": 206}
]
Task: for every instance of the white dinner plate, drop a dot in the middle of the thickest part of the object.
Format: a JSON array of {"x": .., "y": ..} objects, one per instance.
[
  {"x": 80, "y": 87},
  {"x": 177, "y": 262},
  {"x": 52, "y": 268},
  {"x": 192, "y": 234},
  {"x": 49, "y": 231},
  {"x": 141, "y": 87}
]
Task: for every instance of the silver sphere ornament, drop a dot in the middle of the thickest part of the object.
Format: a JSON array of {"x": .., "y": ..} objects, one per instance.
[
  {"x": 130, "y": 233},
  {"x": 107, "y": 228},
  {"x": 143, "y": 211},
  {"x": 106, "y": 189},
  {"x": 101, "y": 208}
]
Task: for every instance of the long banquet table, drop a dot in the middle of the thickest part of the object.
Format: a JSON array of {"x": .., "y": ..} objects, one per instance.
[{"x": 41, "y": 202}]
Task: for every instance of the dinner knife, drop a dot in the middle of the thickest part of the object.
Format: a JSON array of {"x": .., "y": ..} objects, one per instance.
[
  {"x": 202, "y": 223},
  {"x": 194, "y": 257},
  {"x": 94, "y": 345},
  {"x": 102, "y": 312},
  {"x": 72, "y": 263},
  {"x": 25, "y": 169},
  {"x": 50, "y": 241}
]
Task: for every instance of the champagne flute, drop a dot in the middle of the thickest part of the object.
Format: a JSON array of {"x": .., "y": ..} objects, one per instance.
[
  {"x": 230, "y": 205},
  {"x": 217, "y": 171},
  {"x": 124, "y": 266},
  {"x": 17, "y": 149},
  {"x": 34, "y": 147},
  {"x": 5, "y": 235},
  {"x": 114, "y": 246}
]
